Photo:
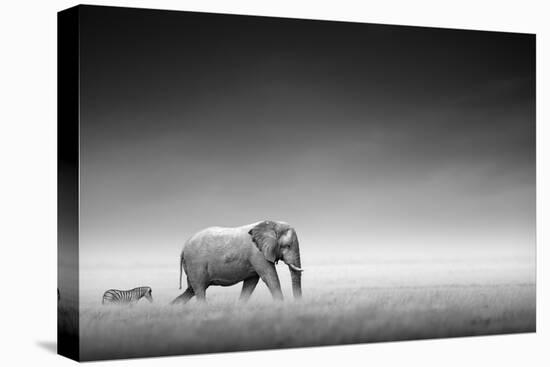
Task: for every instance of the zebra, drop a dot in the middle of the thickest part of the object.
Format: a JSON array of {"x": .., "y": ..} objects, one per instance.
[{"x": 115, "y": 296}]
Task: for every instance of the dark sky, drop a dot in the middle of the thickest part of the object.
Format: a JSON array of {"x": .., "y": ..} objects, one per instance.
[{"x": 364, "y": 137}]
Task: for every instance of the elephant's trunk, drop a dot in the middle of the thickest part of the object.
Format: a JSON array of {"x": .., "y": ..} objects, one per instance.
[
  {"x": 296, "y": 278},
  {"x": 296, "y": 284}
]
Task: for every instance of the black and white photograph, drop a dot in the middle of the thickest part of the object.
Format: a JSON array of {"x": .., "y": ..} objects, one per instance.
[{"x": 249, "y": 183}]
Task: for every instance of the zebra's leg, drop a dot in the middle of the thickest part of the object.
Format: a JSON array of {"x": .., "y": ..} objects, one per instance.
[
  {"x": 184, "y": 297},
  {"x": 248, "y": 287}
]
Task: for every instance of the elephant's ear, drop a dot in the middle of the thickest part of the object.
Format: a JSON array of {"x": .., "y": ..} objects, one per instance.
[{"x": 264, "y": 236}]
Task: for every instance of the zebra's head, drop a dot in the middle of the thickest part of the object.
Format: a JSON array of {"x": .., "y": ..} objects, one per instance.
[{"x": 148, "y": 294}]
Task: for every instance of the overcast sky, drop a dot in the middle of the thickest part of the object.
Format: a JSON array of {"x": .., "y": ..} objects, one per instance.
[{"x": 364, "y": 137}]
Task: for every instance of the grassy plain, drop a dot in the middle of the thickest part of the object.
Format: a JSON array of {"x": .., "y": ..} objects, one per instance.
[{"x": 340, "y": 306}]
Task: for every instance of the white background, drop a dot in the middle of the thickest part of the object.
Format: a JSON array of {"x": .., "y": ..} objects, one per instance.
[{"x": 28, "y": 181}]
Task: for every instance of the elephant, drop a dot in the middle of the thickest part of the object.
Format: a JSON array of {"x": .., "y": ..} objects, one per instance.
[{"x": 226, "y": 256}]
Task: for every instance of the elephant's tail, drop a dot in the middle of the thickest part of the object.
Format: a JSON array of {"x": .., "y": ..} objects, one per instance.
[{"x": 181, "y": 266}]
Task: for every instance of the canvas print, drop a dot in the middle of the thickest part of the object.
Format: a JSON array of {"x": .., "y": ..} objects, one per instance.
[{"x": 233, "y": 183}]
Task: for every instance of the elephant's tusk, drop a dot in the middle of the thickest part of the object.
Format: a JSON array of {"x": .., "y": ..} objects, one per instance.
[{"x": 295, "y": 268}]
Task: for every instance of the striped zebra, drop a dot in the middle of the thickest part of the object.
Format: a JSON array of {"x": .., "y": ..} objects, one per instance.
[{"x": 118, "y": 297}]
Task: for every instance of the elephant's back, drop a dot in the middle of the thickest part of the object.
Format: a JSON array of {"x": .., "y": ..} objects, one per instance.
[
  {"x": 214, "y": 237},
  {"x": 221, "y": 232},
  {"x": 212, "y": 233}
]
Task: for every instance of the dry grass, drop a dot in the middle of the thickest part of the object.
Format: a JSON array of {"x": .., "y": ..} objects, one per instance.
[{"x": 323, "y": 317}]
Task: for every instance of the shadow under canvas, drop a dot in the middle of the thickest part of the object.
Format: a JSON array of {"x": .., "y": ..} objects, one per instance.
[{"x": 49, "y": 345}]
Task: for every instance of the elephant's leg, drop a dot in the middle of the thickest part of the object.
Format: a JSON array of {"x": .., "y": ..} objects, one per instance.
[
  {"x": 266, "y": 270},
  {"x": 199, "y": 281},
  {"x": 200, "y": 292},
  {"x": 248, "y": 287},
  {"x": 271, "y": 279},
  {"x": 184, "y": 297}
]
